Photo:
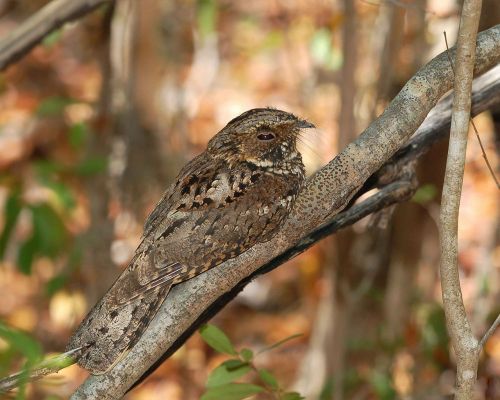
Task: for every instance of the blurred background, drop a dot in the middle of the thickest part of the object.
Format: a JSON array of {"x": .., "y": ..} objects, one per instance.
[{"x": 97, "y": 120}]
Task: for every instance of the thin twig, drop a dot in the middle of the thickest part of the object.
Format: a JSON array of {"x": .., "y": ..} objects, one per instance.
[
  {"x": 448, "y": 53},
  {"x": 46, "y": 367},
  {"x": 484, "y": 155},
  {"x": 489, "y": 332},
  {"x": 472, "y": 121}
]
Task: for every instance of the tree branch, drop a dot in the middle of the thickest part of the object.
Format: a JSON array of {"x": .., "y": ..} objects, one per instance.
[
  {"x": 436, "y": 127},
  {"x": 32, "y": 31},
  {"x": 464, "y": 342},
  {"x": 326, "y": 193}
]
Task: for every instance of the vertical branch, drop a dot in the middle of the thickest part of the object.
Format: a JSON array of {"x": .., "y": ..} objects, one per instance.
[
  {"x": 347, "y": 122},
  {"x": 342, "y": 275},
  {"x": 394, "y": 17},
  {"x": 97, "y": 268},
  {"x": 463, "y": 340}
]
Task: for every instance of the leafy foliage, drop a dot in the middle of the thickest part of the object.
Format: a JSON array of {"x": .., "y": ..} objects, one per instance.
[
  {"x": 206, "y": 16},
  {"x": 227, "y": 372},
  {"x": 217, "y": 339},
  {"x": 425, "y": 194},
  {"x": 49, "y": 235},
  {"x": 232, "y": 391},
  {"x": 323, "y": 52},
  {"x": 12, "y": 209},
  {"x": 221, "y": 381},
  {"x": 53, "y": 106},
  {"x": 19, "y": 342},
  {"x": 383, "y": 386}
]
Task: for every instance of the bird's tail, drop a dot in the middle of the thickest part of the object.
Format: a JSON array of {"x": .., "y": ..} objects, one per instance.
[{"x": 110, "y": 330}]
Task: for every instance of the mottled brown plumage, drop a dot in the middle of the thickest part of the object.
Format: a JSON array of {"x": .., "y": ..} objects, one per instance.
[{"x": 229, "y": 198}]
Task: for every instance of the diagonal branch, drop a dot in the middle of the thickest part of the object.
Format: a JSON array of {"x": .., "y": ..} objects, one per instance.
[
  {"x": 490, "y": 331},
  {"x": 325, "y": 194},
  {"x": 436, "y": 127},
  {"x": 32, "y": 31}
]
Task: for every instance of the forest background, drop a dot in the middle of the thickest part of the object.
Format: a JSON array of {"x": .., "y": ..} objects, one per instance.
[{"x": 97, "y": 120}]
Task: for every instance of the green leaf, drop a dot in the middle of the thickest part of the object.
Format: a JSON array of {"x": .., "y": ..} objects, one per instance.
[
  {"x": 322, "y": 50},
  {"x": 327, "y": 390},
  {"x": 55, "y": 284},
  {"x": 7, "y": 357},
  {"x": 49, "y": 237},
  {"x": 226, "y": 373},
  {"x": 53, "y": 106},
  {"x": 382, "y": 386},
  {"x": 320, "y": 46},
  {"x": 63, "y": 192},
  {"x": 281, "y": 342},
  {"x": 246, "y": 354},
  {"x": 49, "y": 230},
  {"x": 52, "y": 38},
  {"x": 234, "y": 363},
  {"x": 268, "y": 378},
  {"x": 12, "y": 209},
  {"x": 75, "y": 255},
  {"x": 434, "y": 332},
  {"x": 91, "y": 166},
  {"x": 46, "y": 169},
  {"x": 59, "y": 361},
  {"x": 78, "y": 134},
  {"x": 207, "y": 16},
  {"x": 232, "y": 391},
  {"x": 26, "y": 255},
  {"x": 21, "y": 342},
  {"x": 74, "y": 259},
  {"x": 292, "y": 396},
  {"x": 425, "y": 194},
  {"x": 273, "y": 40},
  {"x": 217, "y": 339}
]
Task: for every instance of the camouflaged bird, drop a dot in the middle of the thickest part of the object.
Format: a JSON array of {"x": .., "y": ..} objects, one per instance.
[{"x": 229, "y": 198}]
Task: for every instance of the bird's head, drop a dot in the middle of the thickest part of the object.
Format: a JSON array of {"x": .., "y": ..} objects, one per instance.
[{"x": 265, "y": 137}]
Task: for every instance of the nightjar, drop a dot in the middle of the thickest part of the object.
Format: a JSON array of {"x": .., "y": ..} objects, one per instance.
[{"x": 227, "y": 199}]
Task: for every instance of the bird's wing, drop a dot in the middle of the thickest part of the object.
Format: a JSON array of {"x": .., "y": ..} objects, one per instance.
[
  {"x": 116, "y": 323},
  {"x": 175, "y": 246},
  {"x": 197, "y": 188},
  {"x": 203, "y": 220}
]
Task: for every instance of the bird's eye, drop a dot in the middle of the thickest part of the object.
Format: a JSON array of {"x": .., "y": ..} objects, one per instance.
[{"x": 265, "y": 136}]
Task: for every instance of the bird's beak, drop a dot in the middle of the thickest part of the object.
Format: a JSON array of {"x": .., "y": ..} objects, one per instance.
[{"x": 303, "y": 124}]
